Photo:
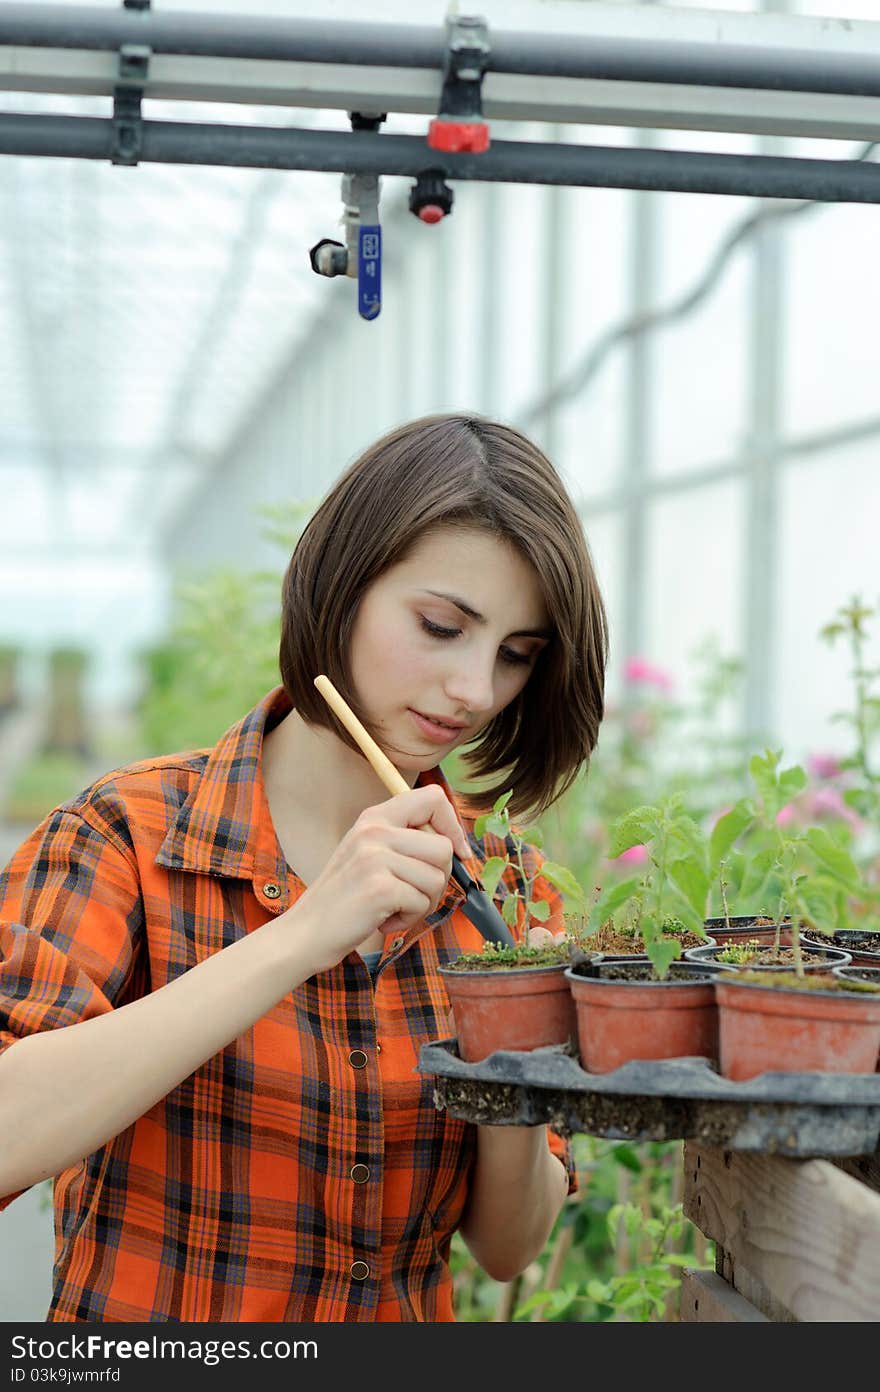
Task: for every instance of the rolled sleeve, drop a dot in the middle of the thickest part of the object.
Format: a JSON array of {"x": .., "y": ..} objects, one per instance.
[{"x": 70, "y": 913}]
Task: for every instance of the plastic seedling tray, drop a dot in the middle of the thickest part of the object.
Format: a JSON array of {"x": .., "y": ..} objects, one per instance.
[{"x": 793, "y": 1114}]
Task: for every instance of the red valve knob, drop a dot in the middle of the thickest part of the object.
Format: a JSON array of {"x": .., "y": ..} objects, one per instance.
[
  {"x": 458, "y": 137},
  {"x": 431, "y": 213}
]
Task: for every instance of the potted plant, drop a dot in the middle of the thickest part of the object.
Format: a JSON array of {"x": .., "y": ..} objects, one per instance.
[
  {"x": 622, "y": 939},
  {"x": 518, "y": 997},
  {"x": 654, "y": 1006},
  {"x": 795, "y": 1021}
]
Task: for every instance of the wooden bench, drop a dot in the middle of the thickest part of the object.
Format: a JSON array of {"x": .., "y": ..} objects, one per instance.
[{"x": 794, "y": 1239}]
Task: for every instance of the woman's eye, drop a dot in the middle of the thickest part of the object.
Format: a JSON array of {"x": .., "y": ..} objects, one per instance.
[{"x": 438, "y": 631}]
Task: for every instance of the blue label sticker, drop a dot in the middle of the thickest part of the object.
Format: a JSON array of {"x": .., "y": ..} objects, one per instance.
[{"x": 369, "y": 271}]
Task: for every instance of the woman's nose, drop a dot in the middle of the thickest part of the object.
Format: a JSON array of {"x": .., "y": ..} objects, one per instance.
[{"x": 472, "y": 688}]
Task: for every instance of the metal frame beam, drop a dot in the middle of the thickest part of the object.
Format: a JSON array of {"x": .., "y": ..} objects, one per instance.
[
  {"x": 611, "y": 65},
  {"x": 613, "y": 43},
  {"x": 510, "y": 161}
]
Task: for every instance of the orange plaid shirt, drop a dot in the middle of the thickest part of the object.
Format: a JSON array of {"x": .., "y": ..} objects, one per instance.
[{"x": 233, "y": 1198}]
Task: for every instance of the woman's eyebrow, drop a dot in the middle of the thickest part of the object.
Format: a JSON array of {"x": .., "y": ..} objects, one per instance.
[{"x": 481, "y": 618}]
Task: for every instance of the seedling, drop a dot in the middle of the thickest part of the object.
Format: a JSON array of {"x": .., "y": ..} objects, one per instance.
[{"x": 674, "y": 887}]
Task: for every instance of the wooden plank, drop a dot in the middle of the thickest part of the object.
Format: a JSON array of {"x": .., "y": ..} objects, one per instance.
[
  {"x": 863, "y": 1167},
  {"x": 805, "y": 1229},
  {"x": 739, "y": 1278},
  {"x": 706, "y": 1298}
]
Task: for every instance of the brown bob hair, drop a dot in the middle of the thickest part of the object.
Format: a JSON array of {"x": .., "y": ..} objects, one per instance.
[{"x": 461, "y": 471}]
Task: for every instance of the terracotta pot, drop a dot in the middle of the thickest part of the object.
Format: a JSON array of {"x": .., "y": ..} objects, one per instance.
[
  {"x": 514, "y": 1008},
  {"x": 781, "y": 1029},
  {"x": 815, "y": 959},
  {"x": 619, "y": 1020},
  {"x": 742, "y": 927},
  {"x": 852, "y": 940}
]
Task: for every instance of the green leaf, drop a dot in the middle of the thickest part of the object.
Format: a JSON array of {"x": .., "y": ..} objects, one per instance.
[
  {"x": 834, "y": 858},
  {"x": 817, "y": 902},
  {"x": 612, "y": 899},
  {"x": 633, "y": 1219},
  {"x": 763, "y": 771},
  {"x": 662, "y": 951},
  {"x": 480, "y": 825},
  {"x": 728, "y": 829},
  {"x": 863, "y": 800},
  {"x": 539, "y": 909},
  {"x": 757, "y": 870},
  {"x": 534, "y": 836},
  {"x": 635, "y": 828},
  {"x": 686, "y": 836},
  {"x": 492, "y": 872},
  {"x": 599, "y": 1291},
  {"x": 693, "y": 882},
  {"x": 502, "y": 802},
  {"x": 792, "y": 781},
  {"x": 562, "y": 879},
  {"x": 508, "y": 910},
  {"x": 498, "y": 826},
  {"x": 626, "y": 1156}
]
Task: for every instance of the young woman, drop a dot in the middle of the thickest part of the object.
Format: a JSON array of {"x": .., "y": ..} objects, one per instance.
[{"x": 217, "y": 968}]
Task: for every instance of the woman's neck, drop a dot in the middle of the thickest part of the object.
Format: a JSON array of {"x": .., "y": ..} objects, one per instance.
[{"x": 308, "y": 770}]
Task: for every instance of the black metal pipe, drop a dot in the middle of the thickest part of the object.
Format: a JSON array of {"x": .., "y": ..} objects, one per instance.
[
  {"x": 594, "y": 56},
  {"x": 514, "y": 162}
]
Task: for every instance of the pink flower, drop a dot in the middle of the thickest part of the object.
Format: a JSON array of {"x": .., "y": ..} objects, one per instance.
[
  {"x": 786, "y": 814},
  {"x": 827, "y": 802},
  {"x": 636, "y": 855},
  {"x": 641, "y": 672},
  {"x": 824, "y": 765}
]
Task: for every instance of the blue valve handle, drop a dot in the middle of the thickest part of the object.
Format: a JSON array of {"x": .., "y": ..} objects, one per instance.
[{"x": 369, "y": 270}]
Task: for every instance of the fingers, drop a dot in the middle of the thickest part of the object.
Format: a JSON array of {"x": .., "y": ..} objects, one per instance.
[
  {"x": 431, "y": 806},
  {"x": 539, "y": 937}
]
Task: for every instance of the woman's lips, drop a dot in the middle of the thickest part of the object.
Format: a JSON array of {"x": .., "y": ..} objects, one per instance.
[{"x": 439, "y": 734}]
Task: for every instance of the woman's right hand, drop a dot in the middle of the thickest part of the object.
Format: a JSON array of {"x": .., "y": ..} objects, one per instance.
[{"x": 387, "y": 873}]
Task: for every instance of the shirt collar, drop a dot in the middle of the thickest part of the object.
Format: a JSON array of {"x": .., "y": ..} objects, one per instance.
[
  {"x": 214, "y": 831},
  {"x": 221, "y": 827}
]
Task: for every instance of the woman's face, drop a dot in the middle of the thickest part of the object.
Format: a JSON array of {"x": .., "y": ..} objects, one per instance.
[{"x": 415, "y": 652}]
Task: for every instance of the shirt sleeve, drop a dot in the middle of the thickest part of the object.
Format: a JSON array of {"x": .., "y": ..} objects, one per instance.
[
  {"x": 70, "y": 928},
  {"x": 562, "y": 1149}
]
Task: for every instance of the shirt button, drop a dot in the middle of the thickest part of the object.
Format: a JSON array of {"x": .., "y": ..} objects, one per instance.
[
  {"x": 359, "y": 1271},
  {"x": 272, "y": 890},
  {"x": 357, "y": 1058},
  {"x": 359, "y": 1173}
]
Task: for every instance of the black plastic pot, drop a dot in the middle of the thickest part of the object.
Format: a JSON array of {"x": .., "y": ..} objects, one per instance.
[
  {"x": 855, "y": 972},
  {"x": 851, "y": 940},
  {"x": 814, "y": 959},
  {"x": 742, "y": 926}
]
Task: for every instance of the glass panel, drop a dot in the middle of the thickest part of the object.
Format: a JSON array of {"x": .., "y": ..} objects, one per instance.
[
  {"x": 832, "y": 306},
  {"x": 590, "y": 432},
  {"x": 693, "y": 577},
  {"x": 829, "y": 507}
]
